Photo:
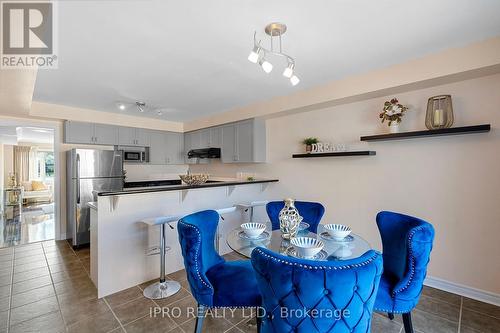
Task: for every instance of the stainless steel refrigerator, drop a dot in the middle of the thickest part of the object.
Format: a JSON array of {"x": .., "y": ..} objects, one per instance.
[{"x": 89, "y": 171}]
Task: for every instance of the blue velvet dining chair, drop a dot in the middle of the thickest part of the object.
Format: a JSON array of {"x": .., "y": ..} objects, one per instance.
[
  {"x": 214, "y": 282},
  {"x": 407, "y": 244},
  {"x": 312, "y": 212},
  {"x": 300, "y": 295}
]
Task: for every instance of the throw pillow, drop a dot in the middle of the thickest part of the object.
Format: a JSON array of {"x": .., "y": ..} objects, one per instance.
[{"x": 37, "y": 185}]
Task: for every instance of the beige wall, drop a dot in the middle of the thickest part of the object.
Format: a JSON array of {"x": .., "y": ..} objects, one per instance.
[{"x": 453, "y": 182}]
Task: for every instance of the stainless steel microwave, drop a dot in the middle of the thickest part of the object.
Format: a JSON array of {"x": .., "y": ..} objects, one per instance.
[{"x": 135, "y": 154}]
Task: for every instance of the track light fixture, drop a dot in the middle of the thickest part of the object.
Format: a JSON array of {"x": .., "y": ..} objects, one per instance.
[
  {"x": 258, "y": 53},
  {"x": 142, "y": 107}
]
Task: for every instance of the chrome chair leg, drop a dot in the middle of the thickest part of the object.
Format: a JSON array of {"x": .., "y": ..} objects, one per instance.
[{"x": 162, "y": 288}]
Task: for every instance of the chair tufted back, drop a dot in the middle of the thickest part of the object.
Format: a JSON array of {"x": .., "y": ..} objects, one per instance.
[
  {"x": 312, "y": 212},
  {"x": 407, "y": 244},
  {"x": 339, "y": 294},
  {"x": 196, "y": 237}
]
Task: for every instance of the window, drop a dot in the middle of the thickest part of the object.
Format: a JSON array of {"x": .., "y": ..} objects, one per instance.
[{"x": 45, "y": 164}]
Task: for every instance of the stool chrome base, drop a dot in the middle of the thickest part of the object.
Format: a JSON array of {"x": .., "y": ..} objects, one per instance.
[{"x": 159, "y": 290}]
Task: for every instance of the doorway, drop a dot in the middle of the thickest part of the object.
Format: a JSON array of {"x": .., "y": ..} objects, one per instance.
[{"x": 29, "y": 184}]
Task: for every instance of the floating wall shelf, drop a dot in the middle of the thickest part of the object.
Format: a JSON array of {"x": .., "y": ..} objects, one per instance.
[
  {"x": 427, "y": 133},
  {"x": 338, "y": 153}
]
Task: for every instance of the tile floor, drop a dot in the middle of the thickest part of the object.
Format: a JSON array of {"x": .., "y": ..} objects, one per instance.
[
  {"x": 45, "y": 287},
  {"x": 31, "y": 223}
]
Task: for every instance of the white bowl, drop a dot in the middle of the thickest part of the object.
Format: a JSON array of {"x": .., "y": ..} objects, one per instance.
[
  {"x": 307, "y": 247},
  {"x": 253, "y": 229},
  {"x": 338, "y": 231}
]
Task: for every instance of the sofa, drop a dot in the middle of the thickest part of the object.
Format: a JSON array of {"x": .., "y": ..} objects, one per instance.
[{"x": 36, "y": 190}]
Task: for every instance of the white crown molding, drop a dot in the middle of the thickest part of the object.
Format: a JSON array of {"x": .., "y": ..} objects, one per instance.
[{"x": 459, "y": 289}]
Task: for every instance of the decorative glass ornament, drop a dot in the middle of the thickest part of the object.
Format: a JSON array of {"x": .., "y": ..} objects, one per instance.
[
  {"x": 289, "y": 219},
  {"x": 439, "y": 112}
]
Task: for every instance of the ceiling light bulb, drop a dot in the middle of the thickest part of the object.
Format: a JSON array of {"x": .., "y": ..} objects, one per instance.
[
  {"x": 294, "y": 80},
  {"x": 254, "y": 55},
  {"x": 122, "y": 107},
  {"x": 266, "y": 66},
  {"x": 288, "y": 72}
]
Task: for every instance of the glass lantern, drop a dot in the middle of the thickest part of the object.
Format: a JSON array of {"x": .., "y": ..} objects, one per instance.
[{"x": 439, "y": 112}]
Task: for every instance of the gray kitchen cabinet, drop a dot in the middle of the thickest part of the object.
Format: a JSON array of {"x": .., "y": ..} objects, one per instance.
[
  {"x": 78, "y": 132},
  {"x": 142, "y": 137},
  {"x": 105, "y": 134},
  {"x": 244, "y": 142},
  {"x": 175, "y": 148},
  {"x": 204, "y": 138},
  {"x": 157, "y": 148},
  {"x": 215, "y": 137},
  {"x": 191, "y": 141},
  {"x": 126, "y": 136},
  {"x": 196, "y": 140},
  {"x": 131, "y": 136},
  {"x": 90, "y": 133},
  {"x": 166, "y": 148},
  {"x": 228, "y": 149}
]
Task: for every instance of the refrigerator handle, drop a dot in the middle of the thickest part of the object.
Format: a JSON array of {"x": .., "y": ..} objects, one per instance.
[{"x": 77, "y": 178}]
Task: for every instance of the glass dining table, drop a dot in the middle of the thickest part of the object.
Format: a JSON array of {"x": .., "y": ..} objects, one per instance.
[{"x": 351, "y": 247}]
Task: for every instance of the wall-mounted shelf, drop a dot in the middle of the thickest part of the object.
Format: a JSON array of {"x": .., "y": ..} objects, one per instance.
[
  {"x": 338, "y": 153},
  {"x": 427, "y": 133}
]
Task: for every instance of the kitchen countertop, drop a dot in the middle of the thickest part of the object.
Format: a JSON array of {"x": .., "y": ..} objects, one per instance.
[{"x": 138, "y": 190}]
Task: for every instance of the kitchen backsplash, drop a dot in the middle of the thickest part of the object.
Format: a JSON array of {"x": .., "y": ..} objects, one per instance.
[{"x": 140, "y": 172}]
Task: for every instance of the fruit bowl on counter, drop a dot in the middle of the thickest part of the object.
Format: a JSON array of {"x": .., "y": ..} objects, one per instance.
[{"x": 194, "y": 178}]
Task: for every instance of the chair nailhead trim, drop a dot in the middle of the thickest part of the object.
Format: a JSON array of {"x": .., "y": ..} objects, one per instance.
[
  {"x": 196, "y": 252},
  {"x": 412, "y": 261},
  {"x": 364, "y": 263}
]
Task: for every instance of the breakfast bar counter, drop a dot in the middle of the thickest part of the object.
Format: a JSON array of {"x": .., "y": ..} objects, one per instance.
[{"x": 121, "y": 244}]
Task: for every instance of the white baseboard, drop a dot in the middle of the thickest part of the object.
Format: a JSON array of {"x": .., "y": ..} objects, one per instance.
[{"x": 459, "y": 289}]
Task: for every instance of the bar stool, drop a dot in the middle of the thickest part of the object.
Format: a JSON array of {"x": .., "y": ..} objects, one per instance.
[
  {"x": 246, "y": 206},
  {"x": 217, "y": 234},
  {"x": 162, "y": 288}
]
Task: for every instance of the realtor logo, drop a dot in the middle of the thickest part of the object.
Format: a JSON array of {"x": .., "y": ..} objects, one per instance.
[{"x": 27, "y": 35}]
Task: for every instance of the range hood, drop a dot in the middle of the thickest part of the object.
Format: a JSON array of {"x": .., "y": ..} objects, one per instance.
[{"x": 204, "y": 153}]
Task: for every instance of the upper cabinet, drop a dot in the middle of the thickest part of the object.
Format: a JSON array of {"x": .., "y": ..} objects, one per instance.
[
  {"x": 175, "y": 148},
  {"x": 244, "y": 142},
  {"x": 215, "y": 137},
  {"x": 89, "y": 133},
  {"x": 240, "y": 142},
  {"x": 131, "y": 136},
  {"x": 166, "y": 148}
]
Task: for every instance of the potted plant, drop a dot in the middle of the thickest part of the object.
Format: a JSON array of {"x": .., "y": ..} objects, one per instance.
[
  {"x": 309, "y": 142},
  {"x": 393, "y": 112}
]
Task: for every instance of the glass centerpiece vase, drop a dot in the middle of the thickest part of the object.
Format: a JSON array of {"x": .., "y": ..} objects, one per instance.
[{"x": 289, "y": 219}]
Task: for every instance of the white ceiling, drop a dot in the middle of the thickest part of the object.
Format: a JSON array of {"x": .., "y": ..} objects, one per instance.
[
  {"x": 191, "y": 56},
  {"x": 12, "y": 135}
]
